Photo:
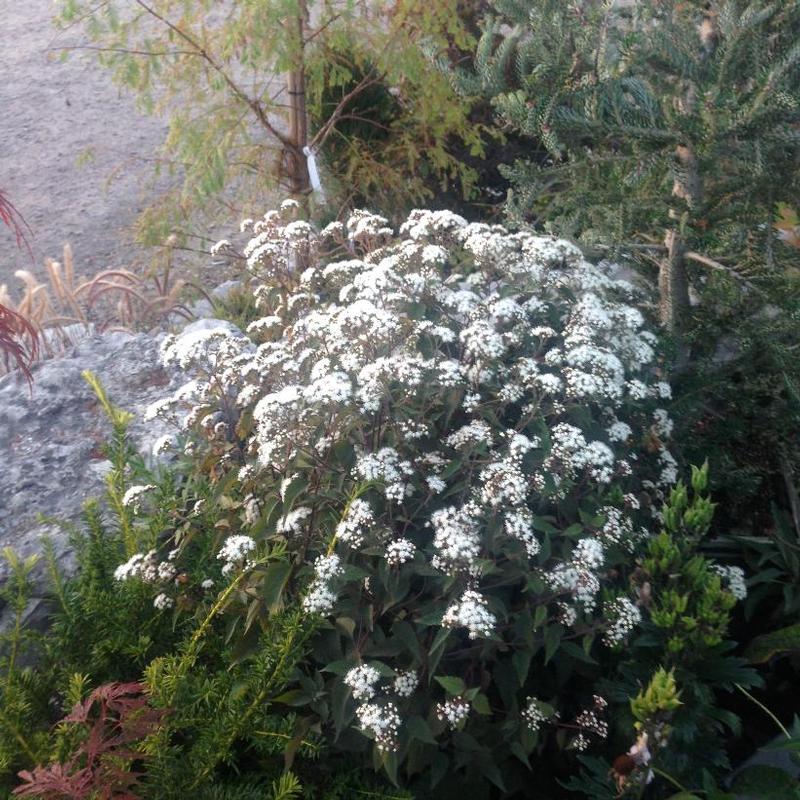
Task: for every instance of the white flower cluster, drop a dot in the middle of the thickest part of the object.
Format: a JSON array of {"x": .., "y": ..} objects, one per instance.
[
  {"x": 387, "y": 466},
  {"x": 406, "y": 682},
  {"x": 534, "y": 716},
  {"x": 580, "y": 576},
  {"x": 399, "y": 551},
  {"x": 734, "y": 579},
  {"x": 473, "y": 375},
  {"x": 456, "y": 537},
  {"x": 591, "y": 722},
  {"x": 619, "y": 432},
  {"x": 622, "y": 617},
  {"x": 146, "y": 568},
  {"x": 470, "y": 611},
  {"x": 235, "y": 551},
  {"x": 321, "y": 597},
  {"x": 353, "y": 528},
  {"x": 477, "y": 432},
  {"x": 294, "y": 521},
  {"x": 382, "y": 721},
  {"x": 618, "y": 528},
  {"x": 362, "y": 681},
  {"x": 453, "y": 711},
  {"x": 163, "y": 601},
  {"x": 134, "y": 495},
  {"x": 519, "y": 525}
]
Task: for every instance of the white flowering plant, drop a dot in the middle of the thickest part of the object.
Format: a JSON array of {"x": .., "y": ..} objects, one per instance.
[{"x": 455, "y": 434}]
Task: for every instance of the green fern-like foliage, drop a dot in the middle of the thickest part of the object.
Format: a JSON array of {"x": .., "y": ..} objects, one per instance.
[
  {"x": 103, "y": 628},
  {"x": 22, "y": 703},
  {"x": 222, "y": 712}
]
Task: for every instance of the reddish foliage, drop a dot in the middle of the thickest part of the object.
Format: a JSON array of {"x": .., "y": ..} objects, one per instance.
[
  {"x": 14, "y": 220},
  {"x": 116, "y": 716},
  {"x": 14, "y": 329}
]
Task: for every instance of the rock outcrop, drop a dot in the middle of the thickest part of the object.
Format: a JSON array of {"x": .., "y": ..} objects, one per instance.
[{"x": 51, "y": 440}]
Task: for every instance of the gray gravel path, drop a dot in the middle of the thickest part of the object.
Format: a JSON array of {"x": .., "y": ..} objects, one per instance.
[{"x": 51, "y": 113}]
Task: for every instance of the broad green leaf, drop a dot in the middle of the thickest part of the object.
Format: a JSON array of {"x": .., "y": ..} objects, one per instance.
[
  {"x": 519, "y": 751},
  {"x": 481, "y": 704},
  {"x": 437, "y": 649},
  {"x": 293, "y": 491},
  {"x": 419, "y": 729},
  {"x": 451, "y": 684},
  {"x": 275, "y": 579},
  {"x": 522, "y": 664},
  {"x": 762, "y": 782},
  {"x": 552, "y": 640}
]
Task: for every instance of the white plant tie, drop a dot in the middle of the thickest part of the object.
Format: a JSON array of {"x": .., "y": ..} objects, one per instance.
[{"x": 313, "y": 172}]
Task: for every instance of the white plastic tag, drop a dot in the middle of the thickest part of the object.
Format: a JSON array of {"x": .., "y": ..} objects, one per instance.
[{"x": 313, "y": 172}]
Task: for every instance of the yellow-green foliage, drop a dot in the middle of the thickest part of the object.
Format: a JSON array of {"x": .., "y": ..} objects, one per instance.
[
  {"x": 219, "y": 78},
  {"x": 692, "y": 606},
  {"x": 660, "y": 697},
  {"x": 19, "y": 700}
]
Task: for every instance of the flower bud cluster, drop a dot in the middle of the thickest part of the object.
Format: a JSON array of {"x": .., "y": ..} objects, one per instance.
[
  {"x": 235, "y": 553},
  {"x": 534, "y": 714},
  {"x": 146, "y": 568},
  {"x": 399, "y": 552},
  {"x": 471, "y": 611},
  {"x": 590, "y": 721},
  {"x": 382, "y": 721},
  {"x": 622, "y": 618},
  {"x": 134, "y": 495},
  {"x": 362, "y": 681},
  {"x": 453, "y": 712}
]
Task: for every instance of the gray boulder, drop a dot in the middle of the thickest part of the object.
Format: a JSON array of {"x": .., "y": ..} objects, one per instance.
[{"x": 51, "y": 439}]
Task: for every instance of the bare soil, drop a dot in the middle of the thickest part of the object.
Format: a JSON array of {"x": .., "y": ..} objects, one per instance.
[{"x": 53, "y": 116}]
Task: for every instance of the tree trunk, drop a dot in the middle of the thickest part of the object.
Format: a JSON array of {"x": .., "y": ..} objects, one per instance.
[
  {"x": 673, "y": 281},
  {"x": 298, "y": 119},
  {"x": 673, "y": 285}
]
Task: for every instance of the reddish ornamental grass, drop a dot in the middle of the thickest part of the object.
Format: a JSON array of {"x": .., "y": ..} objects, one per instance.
[{"x": 19, "y": 341}]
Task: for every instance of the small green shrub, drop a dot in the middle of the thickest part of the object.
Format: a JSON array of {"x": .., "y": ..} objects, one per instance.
[{"x": 211, "y": 679}]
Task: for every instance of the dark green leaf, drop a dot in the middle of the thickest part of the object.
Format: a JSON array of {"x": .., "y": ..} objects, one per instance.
[
  {"x": 419, "y": 729},
  {"x": 274, "y": 583},
  {"x": 451, "y": 684}
]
